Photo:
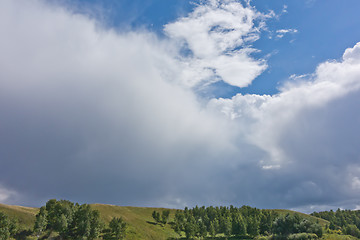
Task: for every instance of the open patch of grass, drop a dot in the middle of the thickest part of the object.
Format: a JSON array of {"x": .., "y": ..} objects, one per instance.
[
  {"x": 139, "y": 219},
  {"x": 24, "y": 215}
]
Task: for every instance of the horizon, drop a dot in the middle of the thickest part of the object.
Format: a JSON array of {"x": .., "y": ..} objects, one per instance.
[{"x": 181, "y": 103}]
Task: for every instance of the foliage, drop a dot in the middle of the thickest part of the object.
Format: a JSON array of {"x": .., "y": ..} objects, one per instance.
[
  {"x": 342, "y": 221},
  {"x": 242, "y": 222},
  {"x": 165, "y": 216},
  {"x": 117, "y": 229},
  {"x": 8, "y": 227},
  {"x": 303, "y": 236},
  {"x": 289, "y": 224},
  {"x": 156, "y": 216},
  {"x": 71, "y": 221},
  {"x": 40, "y": 221}
]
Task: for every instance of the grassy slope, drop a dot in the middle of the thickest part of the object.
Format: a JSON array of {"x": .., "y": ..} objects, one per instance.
[
  {"x": 141, "y": 224},
  {"x": 24, "y": 215}
]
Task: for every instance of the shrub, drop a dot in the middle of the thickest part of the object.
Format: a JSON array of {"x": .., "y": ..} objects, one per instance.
[{"x": 302, "y": 236}]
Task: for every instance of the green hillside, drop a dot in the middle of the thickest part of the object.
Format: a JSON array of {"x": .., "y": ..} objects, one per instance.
[
  {"x": 24, "y": 215},
  {"x": 141, "y": 223},
  {"x": 139, "y": 220}
]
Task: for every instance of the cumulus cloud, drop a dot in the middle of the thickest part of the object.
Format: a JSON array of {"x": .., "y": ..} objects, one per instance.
[
  {"x": 309, "y": 131},
  {"x": 218, "y": 36},
  {"x": 92, "y": 115}
]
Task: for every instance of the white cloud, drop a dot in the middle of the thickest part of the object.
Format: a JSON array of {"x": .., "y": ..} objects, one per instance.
[
  {"x": 309, "y": 129},
  {"x": 281, "y": 32},
  {"x": 332, "y": 80},
  {"x": 218, "y": 34}
]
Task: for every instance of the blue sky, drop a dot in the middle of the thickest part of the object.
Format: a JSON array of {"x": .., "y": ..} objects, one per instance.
[
  {"x": 174, "y": 103},
  {"x": 325, "y": 29}
]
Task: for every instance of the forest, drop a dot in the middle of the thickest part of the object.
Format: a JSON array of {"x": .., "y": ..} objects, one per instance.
[
  {"x": 345, "y": 221},
  {"x": 239, "y": 223}
]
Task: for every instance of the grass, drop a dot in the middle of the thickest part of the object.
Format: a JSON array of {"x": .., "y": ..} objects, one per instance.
[
  {"x": 337, "y": 237},
  {"x": 139, "y": 219},
  {"x": 24, "y": 215}
]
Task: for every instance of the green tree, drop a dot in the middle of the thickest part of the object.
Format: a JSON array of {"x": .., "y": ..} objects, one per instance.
[
  {"x": 227, "y": 226},
  {"x": 40, "y": 221},
  {"x": 60, "y": 216},
  {"x": 190, "y": 230},
  {"x": 284, "y": 225},
  {"x": 165, "y": 216},
  {"x": 4, "y": 227},
  {"x": 202, "y": 229},
  {"x": 252, "y": 226},
  {"x": 238, "y": 225},
  {"x": 156, "y": 216},
  {"x": 117, "y": 228},
  {"x": 96, "y": 225},
  {"x": 86, "y": 223},
  {"x": 212, "y": 230},
  {"x": 179, "y": 222}
]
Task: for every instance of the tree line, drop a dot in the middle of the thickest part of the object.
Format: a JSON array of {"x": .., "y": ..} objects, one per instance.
[
  {"x": 342, "y": 221},
  {"x": 69, "y": 220},
  {"x": 243, "y": 222}
]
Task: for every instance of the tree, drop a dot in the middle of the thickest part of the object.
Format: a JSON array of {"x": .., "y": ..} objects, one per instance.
[
  {"x": 284, "y": 225},
  {"x": 60, "y": 216},
  {"x": 202, "y": 229},
  {"x": 156, "y": 216},
  {"x": 253, "y": 226},
  {"x": 96, "y": 225},
  {"x": 266, "y": 220},
  {"x": 212, "y": 230},
  {"x": 227, "y": 226},
  {"x": 117, "y": 228},
  {"x": 190, "y": 230},
  {"x": 81, "y": 223},
  {"x": 8, "y": 227},
  {"x": 165, "y": 216},
  {"x": 4, "y": 227},
  {"x": 40, "y": 221},
  {"x": 238, "y": 225},
  {"x": 179, "y": 222}
]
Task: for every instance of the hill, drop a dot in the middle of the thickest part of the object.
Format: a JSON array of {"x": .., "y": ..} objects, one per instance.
[
  {"x": 24, "y": 215},
  {"x": 141, "y": 223},
  {"x": 139, "y": 219}
]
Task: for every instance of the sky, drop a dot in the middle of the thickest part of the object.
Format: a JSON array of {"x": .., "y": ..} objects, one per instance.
[{"x": 174, "y": 103}]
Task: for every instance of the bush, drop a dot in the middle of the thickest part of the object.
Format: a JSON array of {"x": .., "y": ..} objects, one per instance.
[
  {"x": 31, "y": 238},
  {"x": 302, "y": 236},
  {"x": 261, "y": 238},
  {"x": 352, "y": 230}
]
